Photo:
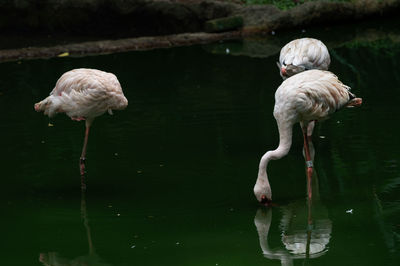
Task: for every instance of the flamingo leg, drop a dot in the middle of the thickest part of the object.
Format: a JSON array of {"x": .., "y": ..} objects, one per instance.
[
  {"x": 83, "y": 158},
  {"x": 310, "y": 225},
  {"x": 309, "y": 162},
  {"x": 309, "y": 229}
]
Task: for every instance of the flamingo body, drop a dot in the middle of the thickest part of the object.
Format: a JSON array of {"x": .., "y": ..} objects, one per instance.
[
  {"x": 84, "y": 94},
  {"x": 303, "y": 54},
  {"x": 307, "y": 96}
]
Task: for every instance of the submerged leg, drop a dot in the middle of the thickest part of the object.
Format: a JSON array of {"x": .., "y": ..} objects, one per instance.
[
  {"x": 310, "y": 225},
  {"x": 83, "y": 158}
]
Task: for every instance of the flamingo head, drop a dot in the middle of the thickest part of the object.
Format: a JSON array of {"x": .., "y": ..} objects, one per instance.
[
  {"x": 282, "y": 70},
  {"x": 262, "y": 191},
  {"x": 41, "y": 106},
  {"x": 288, "y": 70}
]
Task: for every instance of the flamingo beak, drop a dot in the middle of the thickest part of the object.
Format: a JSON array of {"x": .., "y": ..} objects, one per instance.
[
  {"x": 283, "y": 71},
  {"x": 265, "y": 201}
]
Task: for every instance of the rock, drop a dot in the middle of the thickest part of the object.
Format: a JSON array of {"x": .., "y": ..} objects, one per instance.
[
  {"x": 258, "y": 15},
  {"x": 179, "y": 22},
  {"x": 224, "y": 24},
  {"x": 111, "y": 18}
]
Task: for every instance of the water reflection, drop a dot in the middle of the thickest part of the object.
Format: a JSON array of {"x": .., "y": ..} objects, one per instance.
[
  {"x": 299, "y": 240},
  {"x": 304, "y": 227},
  {"x": 92, "y": 258},
  {"x": 387, "y": 208}
]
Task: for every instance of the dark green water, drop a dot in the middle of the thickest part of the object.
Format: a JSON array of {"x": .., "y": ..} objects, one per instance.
[{"x": 170, "y": 178}]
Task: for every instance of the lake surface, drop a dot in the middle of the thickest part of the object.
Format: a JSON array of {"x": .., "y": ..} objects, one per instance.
[{"x": 170, "y": 178}]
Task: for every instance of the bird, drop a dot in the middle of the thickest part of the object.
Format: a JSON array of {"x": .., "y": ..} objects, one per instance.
[
  {"x": 84, "y": 94},
  {"x": 307, "y": 96},
  {"x": 300, "y": 55},
  {"x": 303, "y": 54}
]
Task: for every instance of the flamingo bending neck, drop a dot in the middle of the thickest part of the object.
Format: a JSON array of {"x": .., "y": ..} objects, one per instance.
[{"x": 262, "y": 188}]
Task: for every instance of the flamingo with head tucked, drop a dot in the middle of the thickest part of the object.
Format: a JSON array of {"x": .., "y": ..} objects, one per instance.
[
  {"x": 300, "y": 55},
  {"x": 307, "y": 96},
  {"x": 84, "y": 94},
  {"x": 303, "y": 54}
]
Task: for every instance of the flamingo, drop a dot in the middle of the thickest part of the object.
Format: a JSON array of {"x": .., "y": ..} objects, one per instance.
[
  {"x": 84, "y": 94},
  {"x": 300, "y": 55},
  {"x": 303, "y": 54},
  {"x": 307, "y": 96}
]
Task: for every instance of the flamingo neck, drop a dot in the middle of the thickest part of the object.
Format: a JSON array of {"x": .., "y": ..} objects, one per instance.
[{"x": 285, "y": 141}]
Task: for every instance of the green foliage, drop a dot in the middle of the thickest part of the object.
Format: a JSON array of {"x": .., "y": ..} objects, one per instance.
[
  {"x": 285, "y": 4},
  {"x": 281, "y": 4}
]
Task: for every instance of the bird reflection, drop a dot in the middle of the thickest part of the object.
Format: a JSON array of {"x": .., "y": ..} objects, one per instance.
[
  {"x": 92, "y": 259},
  {"x": 304, "y": 227}
]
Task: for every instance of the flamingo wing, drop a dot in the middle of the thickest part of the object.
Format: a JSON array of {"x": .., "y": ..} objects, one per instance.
[{"x": 312, "y": 95}]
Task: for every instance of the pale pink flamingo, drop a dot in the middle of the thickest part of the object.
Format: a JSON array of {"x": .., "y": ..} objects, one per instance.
[
  {"x": 303, "y": 54},
  {"x": 84, "y": 94},
  {"x": 307, "y": 96},
  {"x": 300, "y": 55}
]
